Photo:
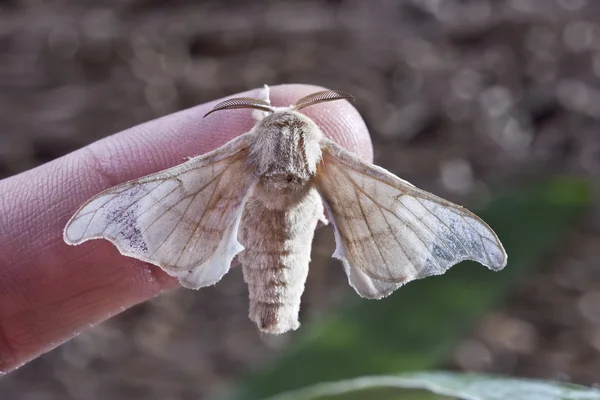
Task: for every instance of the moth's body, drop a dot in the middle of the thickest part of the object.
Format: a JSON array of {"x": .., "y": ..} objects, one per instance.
[
  {"x": 261, "y": 195},
  {"x": 277, "y": 235},
  {"x": 280, "y": 217}
]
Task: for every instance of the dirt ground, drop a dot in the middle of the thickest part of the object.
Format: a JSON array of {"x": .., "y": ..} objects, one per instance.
[{"x": 459, "y": 96}]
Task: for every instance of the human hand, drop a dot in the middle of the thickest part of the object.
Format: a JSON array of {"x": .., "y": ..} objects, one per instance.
[{"x": 50, "y": 292}]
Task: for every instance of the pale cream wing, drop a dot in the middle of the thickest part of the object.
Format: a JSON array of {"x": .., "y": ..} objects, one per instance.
[
  {"x": 184, "y": 219},
  {"x": 389, "y": 232}
]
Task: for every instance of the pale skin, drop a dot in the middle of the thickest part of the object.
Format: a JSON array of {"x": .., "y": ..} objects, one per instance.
[{"x": 49, "y": 291}]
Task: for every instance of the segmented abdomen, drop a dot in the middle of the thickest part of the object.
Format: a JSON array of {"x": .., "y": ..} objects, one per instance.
[{"x": 277, "y": 232}]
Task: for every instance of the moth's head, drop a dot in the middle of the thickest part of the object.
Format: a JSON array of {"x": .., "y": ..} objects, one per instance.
[
  {"x": 285, "y": 147},
  {"x": 265, "y": 105}
]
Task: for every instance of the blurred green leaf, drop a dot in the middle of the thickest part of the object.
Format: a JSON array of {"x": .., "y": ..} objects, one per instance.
[
  {"x": 464, "y": 386},
  {"x": 417, "y": 327}
]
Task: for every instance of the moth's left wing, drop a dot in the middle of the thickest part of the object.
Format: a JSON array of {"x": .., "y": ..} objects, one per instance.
[
  {"x": 389, "y": 232},
  {"x": 184, "y": 219}
]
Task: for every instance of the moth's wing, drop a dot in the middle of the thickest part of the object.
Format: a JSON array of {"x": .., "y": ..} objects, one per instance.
[
  {"x": 389, "y": 232},
  {"x": 184, "y": 219}
]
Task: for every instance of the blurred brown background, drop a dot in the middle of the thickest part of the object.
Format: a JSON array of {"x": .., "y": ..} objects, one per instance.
[{"x": 459, "y": 96}]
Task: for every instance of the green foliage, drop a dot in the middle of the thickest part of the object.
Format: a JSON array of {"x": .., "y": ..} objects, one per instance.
[
  {"x": 463, "y": 386},
  {"x": 418, "y": 326}
]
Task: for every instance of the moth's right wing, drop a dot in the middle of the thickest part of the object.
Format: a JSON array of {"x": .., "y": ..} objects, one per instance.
[
  {"x": 389, "y": 232},
  {"x": 184, "y": 219}
]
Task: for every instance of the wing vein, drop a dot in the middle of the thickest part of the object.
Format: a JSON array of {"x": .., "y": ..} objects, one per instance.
[
  {"x": 94, "y": 215},
  {"x": 157, "y": 201},
  {"x": 427, "y": 226},
  {"x": 371, "y": 233},
  {"x": 447, "y": 226},
  {"x": 116, "y": 217},
  {"x": 94, "y": 212},
  {"x": 394, "y": 214},
  {"x": 410, "y": 259},
  {"x": 487, "y": 255},
  {"x": 178, "y": 222},
  {"x": 222, "y": 214},
  {"x": 103, "y": 204},
  {"x": 219, "y": 177},
  {"x": 165, "y": 211},
  {"x": 177, "y": 203}
]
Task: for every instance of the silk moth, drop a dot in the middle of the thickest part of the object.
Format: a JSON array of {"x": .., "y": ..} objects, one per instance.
[{"x": 260, "y": 197}]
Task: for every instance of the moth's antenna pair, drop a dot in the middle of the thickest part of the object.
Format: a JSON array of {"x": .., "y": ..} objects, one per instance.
[{"x": 258, "y": 104}]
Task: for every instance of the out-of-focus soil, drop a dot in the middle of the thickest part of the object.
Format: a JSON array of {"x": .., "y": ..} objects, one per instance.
[{"x": 459, "y": 96}]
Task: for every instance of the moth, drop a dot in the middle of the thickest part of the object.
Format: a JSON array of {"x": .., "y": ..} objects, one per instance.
[{"x": 260, "y": 197}]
